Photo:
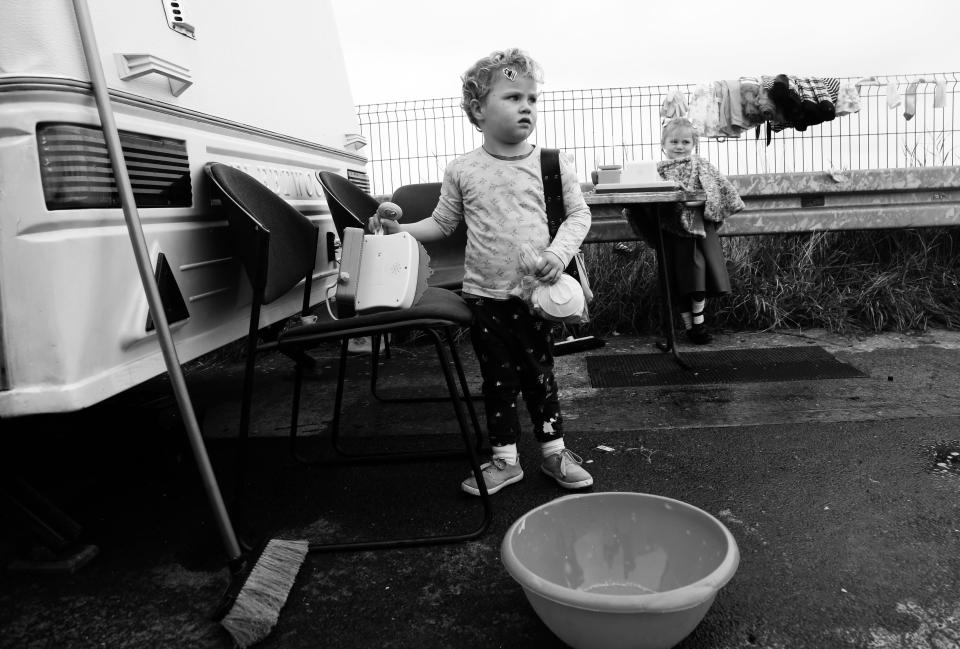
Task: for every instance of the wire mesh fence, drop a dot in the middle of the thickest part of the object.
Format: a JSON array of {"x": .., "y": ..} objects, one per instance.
[{"x": 412, "y": 141}]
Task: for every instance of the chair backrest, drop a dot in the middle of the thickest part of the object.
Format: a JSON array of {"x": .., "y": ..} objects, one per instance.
[
  {"x": 446, "y": 256},
  {"x": 276, "y": 244},
  {"x": 349, "y": 205}
]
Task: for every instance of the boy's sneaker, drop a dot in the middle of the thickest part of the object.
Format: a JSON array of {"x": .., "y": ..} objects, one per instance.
[
  {"x": 497, "y": 474},
  {"x": 699, "y": 335},
  {"x": 564, "y": 467}
]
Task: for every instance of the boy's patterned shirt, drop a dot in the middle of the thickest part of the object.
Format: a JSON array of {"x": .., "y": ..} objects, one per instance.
[{"x": 503, "y": 204}]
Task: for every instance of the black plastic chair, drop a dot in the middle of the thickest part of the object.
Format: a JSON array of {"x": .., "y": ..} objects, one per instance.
[
  {"x": 418, "y": 200},
  {"x": 350, "y": 206},
  {"x": 446, "y": 256},
  {"x": 277, "y": 247}
]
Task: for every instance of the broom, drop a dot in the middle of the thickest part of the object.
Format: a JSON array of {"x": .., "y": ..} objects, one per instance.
[{"x": 256, "y": 603}]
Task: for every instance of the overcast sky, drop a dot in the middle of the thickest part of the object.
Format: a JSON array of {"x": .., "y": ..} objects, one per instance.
[{"x": 417, "y": 49}]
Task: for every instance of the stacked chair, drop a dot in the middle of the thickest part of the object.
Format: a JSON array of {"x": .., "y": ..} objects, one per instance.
[{"x": 277, "y": 247}]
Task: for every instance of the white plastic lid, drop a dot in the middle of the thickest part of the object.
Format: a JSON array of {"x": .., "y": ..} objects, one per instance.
[{"x": 560, "y": 300}]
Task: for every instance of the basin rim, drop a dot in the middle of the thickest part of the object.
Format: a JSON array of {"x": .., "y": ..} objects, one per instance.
[{"x": 674, "y": 600}]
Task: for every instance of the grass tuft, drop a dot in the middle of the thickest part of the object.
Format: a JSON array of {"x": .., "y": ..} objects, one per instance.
[{"x": 844, "y": 282}]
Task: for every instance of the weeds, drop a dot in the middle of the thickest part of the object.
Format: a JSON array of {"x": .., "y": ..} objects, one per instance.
[{"x": 859, "y": 281}]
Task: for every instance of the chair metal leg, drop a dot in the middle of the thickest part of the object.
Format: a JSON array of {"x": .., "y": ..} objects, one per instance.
[
  {"x": 444, "y": 359},
  {"x": 461, "y": 375},
  {"x": 334, "y": 428},
  {"x": 449, "y": 334},
  {"x": 301, "y": 358},
  {"x": 295, "y": 406},
  {"x": 295, "y": 416},
  {"x": 374, "y": 376},
  {"x": 246, "y": 399}
]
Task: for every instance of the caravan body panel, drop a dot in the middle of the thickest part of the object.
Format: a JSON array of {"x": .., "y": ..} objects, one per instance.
[{"x": 74, "y": 321}]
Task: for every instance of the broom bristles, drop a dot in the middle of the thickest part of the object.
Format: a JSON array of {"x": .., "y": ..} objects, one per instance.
[{"x": 257, "y": 608}]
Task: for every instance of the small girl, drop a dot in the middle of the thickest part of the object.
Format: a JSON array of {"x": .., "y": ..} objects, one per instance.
[{"x": 692, "y": 252}]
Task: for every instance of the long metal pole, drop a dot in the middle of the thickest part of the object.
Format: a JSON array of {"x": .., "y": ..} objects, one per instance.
[{"x": 97, "y": 79}]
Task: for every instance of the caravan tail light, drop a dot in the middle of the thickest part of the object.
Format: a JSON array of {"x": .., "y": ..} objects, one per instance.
[{"x": 76, "y": 172}]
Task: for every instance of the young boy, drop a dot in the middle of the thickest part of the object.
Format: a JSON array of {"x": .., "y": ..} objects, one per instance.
[{"x": 498, "y": 190}]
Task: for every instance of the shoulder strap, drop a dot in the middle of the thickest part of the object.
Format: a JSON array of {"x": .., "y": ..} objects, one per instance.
[
  {"x": 553, "y": 195},
  {"x": 552, "y": 188}
]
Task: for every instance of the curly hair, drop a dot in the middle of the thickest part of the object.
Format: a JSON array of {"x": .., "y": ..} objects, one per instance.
[
  {"x": 479, "y": 79},
  {"x": 675, "y": 123}
]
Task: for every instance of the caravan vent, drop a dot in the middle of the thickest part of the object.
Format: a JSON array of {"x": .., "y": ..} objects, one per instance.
[
  {"x": 360, "y": 179},
  {"x": 76, "y": 172}
]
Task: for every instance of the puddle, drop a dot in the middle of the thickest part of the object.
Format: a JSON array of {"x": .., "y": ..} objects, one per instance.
[{"x": 943, "y": 458}]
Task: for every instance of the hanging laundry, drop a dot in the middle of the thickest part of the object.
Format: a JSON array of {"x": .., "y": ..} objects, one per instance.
[
  {"x": 939, "y": 94},
  {"x": 786, "y": 95},
  {"x": 910, "y": 101},
  {"x": 893, "y": 96},
  {"x": 674, "y": 105},
  {"x": 768, "y": 108},
  {"x": 750, "y": 101},
  {"x": 815, "y": 100},
  {"x": 704, "y": 110},
  {"x": 910, "y": 96},
  {"x": 804, "y": 101},
  {"x": 833, "y": 89},
  {"x": 738, "y": 117},
  {"x": 848, "y": 99},
  {"x": 731, "y": 109}
]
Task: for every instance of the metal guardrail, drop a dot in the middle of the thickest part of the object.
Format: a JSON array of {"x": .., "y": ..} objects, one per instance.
[
  {"x": 856, "y": 200},
  {"x": 818, "y": 201}
]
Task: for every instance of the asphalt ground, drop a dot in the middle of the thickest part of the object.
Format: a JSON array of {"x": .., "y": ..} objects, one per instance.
[{"x": 841, "y": 494}]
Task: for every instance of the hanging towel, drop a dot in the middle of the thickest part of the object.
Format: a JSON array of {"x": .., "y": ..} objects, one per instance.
[
  {"x": 694, "y": 174},
  {"x": 731, "y": 111}
]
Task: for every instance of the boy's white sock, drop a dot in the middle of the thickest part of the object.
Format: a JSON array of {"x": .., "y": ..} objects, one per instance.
[
  {"x": 508, "y": 453},
  {"x": 687, "y": 318},
  {"x": 552, "y": 447}
]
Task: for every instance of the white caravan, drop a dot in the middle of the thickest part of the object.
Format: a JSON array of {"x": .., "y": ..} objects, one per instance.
[{"x": 262, "y": 87}]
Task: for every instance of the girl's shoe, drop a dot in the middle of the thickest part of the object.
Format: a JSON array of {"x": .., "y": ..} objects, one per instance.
[{"x": 699, "y": 335}]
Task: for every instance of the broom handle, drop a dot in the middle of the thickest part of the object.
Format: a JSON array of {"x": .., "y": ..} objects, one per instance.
[{"x": 132, "y": 217}]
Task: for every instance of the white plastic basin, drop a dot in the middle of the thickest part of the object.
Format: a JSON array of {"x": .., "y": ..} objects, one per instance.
[{"x": 620, "y": 570}]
